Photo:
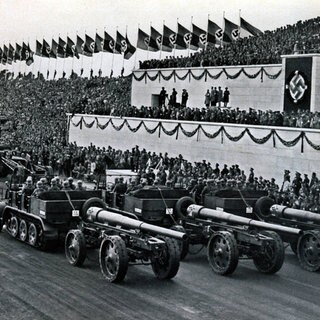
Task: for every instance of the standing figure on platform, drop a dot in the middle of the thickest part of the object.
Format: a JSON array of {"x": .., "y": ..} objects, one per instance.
[
  {"x": 162, "y": 97},
  {"x": 184, "y": 98},
  {"x": 173, "y": 98},
  {"x": 226, "y": 95},
  {"x": 207, "y": 99},
  {"x": 220, "y": 96}
]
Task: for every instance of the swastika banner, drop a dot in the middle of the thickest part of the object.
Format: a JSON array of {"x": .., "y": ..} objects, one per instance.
[{"x": 298, "y": 77}]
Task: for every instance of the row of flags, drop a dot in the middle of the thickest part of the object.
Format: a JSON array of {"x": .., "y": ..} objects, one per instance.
[{"x": 167, "y": 41}]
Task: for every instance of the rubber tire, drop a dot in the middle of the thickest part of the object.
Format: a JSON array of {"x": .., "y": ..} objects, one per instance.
[
  {"x": 23, "y": 224},
  {"x": 294, "y": 247},
  {"x": 80, "y": 240},
  {"x": 92, "y": 202},
  {"x": 233, "y": 253},
  {"x": 123, "y": 259},
  {"x": 303, "y": 259},
  {"x": 16, "y": 233},
  {"x": 33, "y": 243},
  {"x": 182, "y": 205},
  {"x": 183, "y": 244},
  {"x": 262, "y": 208},
  {"x": 262, "y": 264},
  {"x": 168, "y": 268}
]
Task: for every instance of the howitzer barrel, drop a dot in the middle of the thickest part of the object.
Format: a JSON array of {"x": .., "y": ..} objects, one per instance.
[
  {"x": 95, "y": 214},
  {"x": 302, "y": 215},
  {"x": 202, "y": 212}
]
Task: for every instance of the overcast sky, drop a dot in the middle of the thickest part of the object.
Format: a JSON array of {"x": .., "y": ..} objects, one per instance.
[{"x": 31, "y": 19}]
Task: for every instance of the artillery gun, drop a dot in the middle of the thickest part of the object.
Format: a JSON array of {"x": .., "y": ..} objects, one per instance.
[
  {"x": 123, "y": 240},
  {"x": 306, "y": 245},
  {"x": 229, "y": 237},
  {"x": 42, "y": 221}
]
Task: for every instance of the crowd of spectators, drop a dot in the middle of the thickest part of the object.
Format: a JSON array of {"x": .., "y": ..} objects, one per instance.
[
  {"x": 302, "y": 37},
  {"x": 199, "y": 178},
  {"x": 299, "y": 119}
]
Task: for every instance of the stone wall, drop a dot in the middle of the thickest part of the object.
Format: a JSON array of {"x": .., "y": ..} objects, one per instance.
[
  {"x": 261, "y": 92},
  {"x": 269, "y": 159}
]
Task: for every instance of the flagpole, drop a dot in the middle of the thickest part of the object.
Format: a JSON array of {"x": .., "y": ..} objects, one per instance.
[
  {"x": 191, "y": 37},
  {"x": 175, "y": 44},
  {"x": 49, "y": 61},
  {"x": 224, "y": 28},
  {"x": 239, "y": 23},
  {"x": 123, "y": 54},
  {"x": 73, "y": 54},
  {"x": 102, "y": 45},
  {"x": 149, "y": 42},
  {"x": 64, "y": 59},
  {"x": 81, "y": 64},
  {"x": 161, "y": 41},
  {"x": 113, "y": 53},
  {"x": 206, "y": 45},
  {"x": 135, "y": 56}
]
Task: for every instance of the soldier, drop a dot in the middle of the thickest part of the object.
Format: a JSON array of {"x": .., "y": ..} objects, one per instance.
[
  {"x": 162, "y": 97},
  {"x": 38, "y": 190},
  {"x": 54, "y": 185},
  {"x": 220, "y": 96},
  {"x": 66, "y": 186},
  {"x": 173, "y": 98},
  {"x": 28, "y": 187},
  {"x": 226, "y": 95},
  {"x": 71, "y": 184},
  {"x": 184, "y": 98},
  {"x": 80, "y": 186},
  {"x": 207, "y": 99}
]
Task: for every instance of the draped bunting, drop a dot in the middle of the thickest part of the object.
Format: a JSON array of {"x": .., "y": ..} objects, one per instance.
[
  {"x": 199, "y": 129},
  {"x": 205, "y": 73}
]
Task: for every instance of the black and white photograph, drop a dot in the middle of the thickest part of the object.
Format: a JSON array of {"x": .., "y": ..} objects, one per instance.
[{"x": 159, "y": 160}]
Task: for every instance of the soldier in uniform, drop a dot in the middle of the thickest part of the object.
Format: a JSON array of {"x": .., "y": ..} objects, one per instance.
[
  {"x": 38, "y": 190},
  {"x": 54, "y": 185},
  {"x": 184, "y": 98},
  {"x": 28, "y": 187}
]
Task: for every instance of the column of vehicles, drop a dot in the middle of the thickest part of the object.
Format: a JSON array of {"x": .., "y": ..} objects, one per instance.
[{"x": 157, "y": 225}]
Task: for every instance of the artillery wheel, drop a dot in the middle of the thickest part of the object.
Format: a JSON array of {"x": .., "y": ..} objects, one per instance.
[
  {"x": 183, "y": 244},
  {"x": 309, "y": 250},
  {"x": 294, "y": 246},
  {"x": 23, "y": 230},
  {"x": 165, "y": 263},
  {"x": 32, "y": 235},
  {"x": 271, "y": 260},
  {"x": 182, "y": 206},
  {"x": 75, "y": 247},
  {"x": 14, "y": 226},
  {"x": 92, "y": 202},
  {"x": 113, "y": 258},
  {"x": 262, "y": 208},
  {"x": 223, "y": 253}
]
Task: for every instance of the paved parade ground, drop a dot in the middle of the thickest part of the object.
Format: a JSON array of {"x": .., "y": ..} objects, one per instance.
[{"x": 39, "y": 285}]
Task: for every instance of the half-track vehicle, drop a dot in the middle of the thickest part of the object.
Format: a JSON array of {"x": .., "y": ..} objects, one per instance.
[
  {"x": 123, "y": 240},
  {"x": 306, "y": 245},
  {"x": 41, "y": 221},
  {"x": 229, "y": 237}
]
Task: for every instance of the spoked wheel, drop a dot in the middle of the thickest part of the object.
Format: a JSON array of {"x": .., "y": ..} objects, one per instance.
[
  {"x": 13, "y": 226},
  {"x": 165, "y": 262},
  {"x": 271, "y": 258},
  {"x": 223, "y": 253},
  {"x": 23, "y": 230},
  {"x": 113, "y": 258},
  {"x": 309, "y": 250},
  {"x": 32, "y": 235},
  {"x": 75, "y": 247}
]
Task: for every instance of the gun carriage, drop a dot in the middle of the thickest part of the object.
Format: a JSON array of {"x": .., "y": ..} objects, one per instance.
[
  {"x": 123, "y": 240},
  {"x": 305, "y": 245},
  {"x": 229, "y": 237}
]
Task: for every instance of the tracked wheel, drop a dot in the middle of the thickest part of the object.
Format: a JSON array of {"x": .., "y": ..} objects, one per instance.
[
  {"x": 23, "y": 230},
  {"x": 113, "y": 258},
  {"x": 271, "y": 258},
  {"x": 75, "y": 247},
  {"x": 13, "y": 226},
  {"x": 309, "y": 250},
  {"x": 223, "y": 253},
  {"x": 165, "y": 263},
  {"x": 33, "y": 235}
]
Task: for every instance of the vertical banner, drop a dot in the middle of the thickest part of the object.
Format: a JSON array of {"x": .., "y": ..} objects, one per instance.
[{"x": 298, "y": 75}]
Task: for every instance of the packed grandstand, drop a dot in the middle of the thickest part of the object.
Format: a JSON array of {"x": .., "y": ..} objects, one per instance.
[{"x": 34, "y": 122}]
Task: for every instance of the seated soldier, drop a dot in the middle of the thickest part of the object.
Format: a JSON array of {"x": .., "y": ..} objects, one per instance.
[
  {"x": 54, "y": 185},
  {"x": 66, "y": 186},
  {"x": 45, "y": 183},
  {"x": 71, "y": 185},
  {"x": 80, "y": 186},
  {"x": 28, "y": 187},
  {"x": 39, "y": 189}
]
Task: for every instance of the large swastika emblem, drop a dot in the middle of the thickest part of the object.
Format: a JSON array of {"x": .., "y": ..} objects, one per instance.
[{"x": 297, "y": 86}]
